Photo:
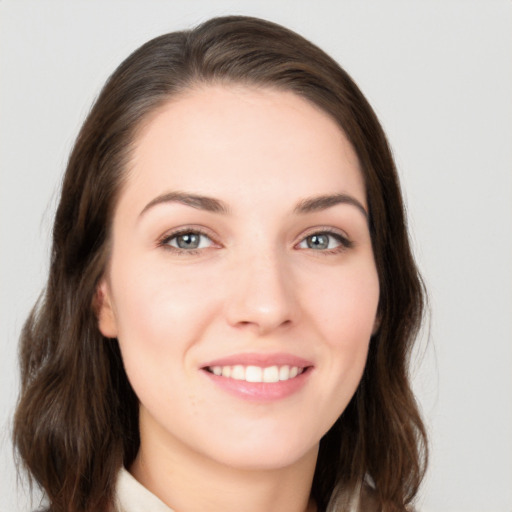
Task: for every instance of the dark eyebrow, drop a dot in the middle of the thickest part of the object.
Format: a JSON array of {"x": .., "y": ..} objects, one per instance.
[
  {"x": 315, "y": 204},
  {"x": 308, "y": 205},
  {"x": 195, "y": 201}
]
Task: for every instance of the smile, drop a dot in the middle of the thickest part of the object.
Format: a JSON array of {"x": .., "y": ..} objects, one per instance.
[
  {"x": 268, "y": 374},
  {"x": 259, "y": 377}
]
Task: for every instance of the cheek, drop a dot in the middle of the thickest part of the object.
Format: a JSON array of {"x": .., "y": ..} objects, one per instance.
[
  {"x": 345, "y": 305},
  {"x": 158, "y": 324},
  {"x": 344, "y": 310},
  {"x": 158, "y": 304},
  {"x": 163, "y": 314}
]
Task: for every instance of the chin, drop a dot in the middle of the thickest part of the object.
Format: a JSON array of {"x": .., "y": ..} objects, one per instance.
[{"x": 264, "y": 454}]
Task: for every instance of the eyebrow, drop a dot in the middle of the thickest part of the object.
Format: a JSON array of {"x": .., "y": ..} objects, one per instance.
[
  {"x": 195, "y": 201},
  {"x": 210, "y": 204},
  {"x": 319, "y": 203}
]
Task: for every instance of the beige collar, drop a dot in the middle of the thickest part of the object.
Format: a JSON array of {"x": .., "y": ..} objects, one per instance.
[{"x": 132, "y": 496}]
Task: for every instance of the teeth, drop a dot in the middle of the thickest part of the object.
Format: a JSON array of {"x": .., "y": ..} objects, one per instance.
[
  {"x": 284, "y": 373},
  {"x": 238, "y": 372},
  {"x": 253, "y": 374},
  {"x": 257, "y": 373},
  {"x": 271, "y": 374}
]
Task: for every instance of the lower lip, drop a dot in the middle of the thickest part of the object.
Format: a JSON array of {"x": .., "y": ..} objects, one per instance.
[{"x": 261, "y": 391}]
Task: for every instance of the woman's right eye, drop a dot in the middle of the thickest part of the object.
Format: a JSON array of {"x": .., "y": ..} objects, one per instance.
[{"x": 187, "y": 241}]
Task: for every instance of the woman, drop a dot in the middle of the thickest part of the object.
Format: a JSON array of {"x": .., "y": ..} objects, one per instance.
[{"x": 232, "y": 298}]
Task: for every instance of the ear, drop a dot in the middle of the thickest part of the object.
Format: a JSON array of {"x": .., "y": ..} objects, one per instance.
[
  {"x": 107, "y": 323},
  {"x": 376, "y": 324}
]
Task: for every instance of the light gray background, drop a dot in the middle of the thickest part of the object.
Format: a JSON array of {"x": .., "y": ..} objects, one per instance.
[{"x": 439, "y": 74}]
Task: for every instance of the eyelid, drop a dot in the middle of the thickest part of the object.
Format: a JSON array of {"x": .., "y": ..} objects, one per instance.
[
  {"x": 340, "y": 235},
  {"x": 163, "y": 241},
  {"x": 344, "y": 239}
]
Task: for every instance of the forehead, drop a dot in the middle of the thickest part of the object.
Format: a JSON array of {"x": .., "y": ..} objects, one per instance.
[{"x": 232, "y": 139}]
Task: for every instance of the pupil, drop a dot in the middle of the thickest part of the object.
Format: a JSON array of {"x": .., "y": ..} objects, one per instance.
[
  {"x": 188, "y": 241},
  {"x": 318, "y": 242}
]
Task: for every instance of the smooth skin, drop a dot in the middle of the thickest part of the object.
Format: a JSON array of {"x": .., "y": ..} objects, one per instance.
[{"x": 261, "y": 266}]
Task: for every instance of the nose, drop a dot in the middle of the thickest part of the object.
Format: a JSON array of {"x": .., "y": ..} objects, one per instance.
[{"x": 261, "y": 294}]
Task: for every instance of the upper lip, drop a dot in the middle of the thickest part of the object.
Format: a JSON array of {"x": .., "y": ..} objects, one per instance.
[{"x": 259, "y": 359}]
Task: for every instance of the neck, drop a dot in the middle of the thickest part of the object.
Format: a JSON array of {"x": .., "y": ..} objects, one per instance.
[{"x": 186, "y": 480}]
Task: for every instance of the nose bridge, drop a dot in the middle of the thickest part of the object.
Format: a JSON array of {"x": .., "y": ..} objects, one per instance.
[{"x": 261, "y": 291}]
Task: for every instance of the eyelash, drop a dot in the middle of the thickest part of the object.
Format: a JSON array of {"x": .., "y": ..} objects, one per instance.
[
  {"x": 164, "y": 242},
  {"x": 344, "y": 242}
]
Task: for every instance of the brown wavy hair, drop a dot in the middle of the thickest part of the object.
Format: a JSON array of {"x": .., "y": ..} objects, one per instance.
[{"x": 76, "y": 421}]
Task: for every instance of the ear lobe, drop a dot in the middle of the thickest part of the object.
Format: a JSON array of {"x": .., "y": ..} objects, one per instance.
[
  {"x": 107, "y": 323},
  {"x": 376, "y": 324}
]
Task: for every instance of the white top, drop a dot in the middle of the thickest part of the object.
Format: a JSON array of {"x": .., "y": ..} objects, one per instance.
[{"x": 132, "y": 496}]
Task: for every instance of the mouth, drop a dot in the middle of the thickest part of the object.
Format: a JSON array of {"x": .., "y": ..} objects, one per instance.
[
  {"x": 255, "y": 374},
  {"x": 259, "y": 377}
]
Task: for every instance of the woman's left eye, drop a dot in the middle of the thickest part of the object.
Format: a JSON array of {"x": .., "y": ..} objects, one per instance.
[
  {"x": 188, "y": 241},
  {"x": 324, "y": 242}
]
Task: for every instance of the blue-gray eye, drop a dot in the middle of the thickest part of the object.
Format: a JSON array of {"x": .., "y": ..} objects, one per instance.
[
  {"x": 318, "y": 241},
  {"x": 322, "y": 241},
  {"x": 189, "y": 241}
]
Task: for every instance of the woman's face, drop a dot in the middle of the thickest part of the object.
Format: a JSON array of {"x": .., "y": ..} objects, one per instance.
[{"x": 242, "y": 286}]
